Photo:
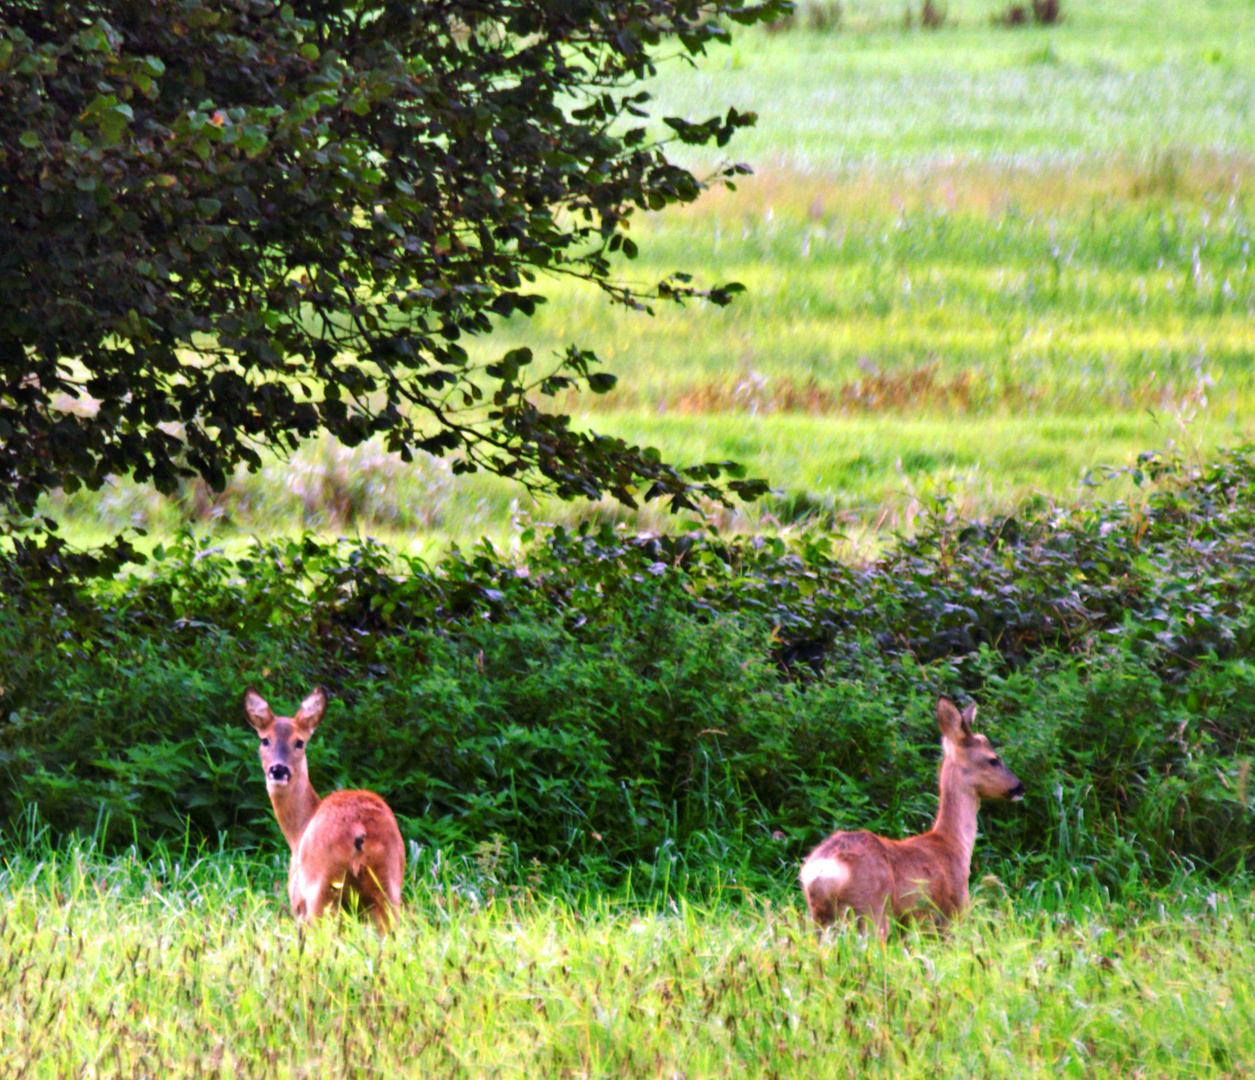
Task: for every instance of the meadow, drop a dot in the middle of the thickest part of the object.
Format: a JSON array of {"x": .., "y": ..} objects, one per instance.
[{"x": 606, "y": 787}]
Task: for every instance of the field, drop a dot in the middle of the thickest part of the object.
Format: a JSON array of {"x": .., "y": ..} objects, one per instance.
[
  {"x": 982, "y": 262},
  {"x": 181, "y": 968}
]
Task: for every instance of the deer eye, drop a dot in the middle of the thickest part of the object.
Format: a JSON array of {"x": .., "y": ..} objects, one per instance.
[
  {"x": 265, "y": 742},
  {"x": 299, "y": 743},
  {"x": 994, "y": 761}
]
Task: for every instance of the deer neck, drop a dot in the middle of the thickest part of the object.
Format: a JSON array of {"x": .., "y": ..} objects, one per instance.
[
  {"x": 956, "y": 817},
  {"x": 294, "y": 805}
]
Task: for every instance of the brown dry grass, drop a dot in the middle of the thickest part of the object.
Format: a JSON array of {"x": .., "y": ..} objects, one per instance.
[
  {"x": 915, "y": 390},
  {"x": 981, "y": 188}
]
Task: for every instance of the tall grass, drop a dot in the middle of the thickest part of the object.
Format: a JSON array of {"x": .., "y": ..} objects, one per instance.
[{"x": 185, "y": 968}]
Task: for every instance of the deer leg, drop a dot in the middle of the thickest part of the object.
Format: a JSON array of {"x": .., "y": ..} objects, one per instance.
[
  {"x": 380, "y": 897},
  {"x": 311, "y": 896}
]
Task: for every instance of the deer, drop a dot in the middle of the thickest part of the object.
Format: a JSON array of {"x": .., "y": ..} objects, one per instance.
[
  {"x": 925, "y": 875},
  {"x": 347, "y": 841}
]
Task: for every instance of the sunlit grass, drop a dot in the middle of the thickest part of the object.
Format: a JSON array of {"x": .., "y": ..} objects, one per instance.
[
  {"x": 876, "y": 355},
  {"x": 178, "y": 968},
  {"x": 1116, "y": 78},
  {"x": 1147, "y": 298},
  {"x": 861, "y": 475}
]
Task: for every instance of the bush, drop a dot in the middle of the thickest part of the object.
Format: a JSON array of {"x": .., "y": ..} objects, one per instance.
[
  {"x": 709, "y": 704},
  {"x": 1041, "y": 12}
]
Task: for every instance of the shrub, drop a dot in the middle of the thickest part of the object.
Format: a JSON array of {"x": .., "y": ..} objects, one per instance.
[
  {"x": 1041, "y": 12},
  {"x": 703, "y": 705}
]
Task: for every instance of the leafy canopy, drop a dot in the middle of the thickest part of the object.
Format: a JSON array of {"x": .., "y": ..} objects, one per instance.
[{"x": 226, "y": 227}]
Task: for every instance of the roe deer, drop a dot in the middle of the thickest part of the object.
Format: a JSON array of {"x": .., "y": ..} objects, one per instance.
[
  {"x": 349, "y": 840},
  {"x": 875, "y": 877}
]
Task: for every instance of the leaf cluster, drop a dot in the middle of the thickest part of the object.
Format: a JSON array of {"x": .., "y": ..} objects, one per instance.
[{"x": 228, "y": 227}]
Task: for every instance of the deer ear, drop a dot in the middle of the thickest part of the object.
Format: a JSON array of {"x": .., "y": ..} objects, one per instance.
[
  {"x": 955, "y": 725},
  {"x": 312, "y": 709},
  {"x": 256, "y": 710}
]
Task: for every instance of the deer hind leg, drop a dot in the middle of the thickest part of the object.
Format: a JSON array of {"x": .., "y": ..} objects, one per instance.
[
  {"x": 376, "y": 874},
  {"x": 310, "y": 895},
  {"x": 821, "y": 885},
  {"x": 380, "y": 893},
  {"x": 825, "y": 883},
  {"x": 869, "y": 919}
]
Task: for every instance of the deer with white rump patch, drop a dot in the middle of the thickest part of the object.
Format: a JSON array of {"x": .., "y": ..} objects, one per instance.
[
  {"x": 877, "y": 878},
  {"x": 347, "y": 841}
]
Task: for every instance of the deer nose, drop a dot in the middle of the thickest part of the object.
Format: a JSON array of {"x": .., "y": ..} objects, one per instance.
[
  {"x": 280, "y": 774},
  {"x": 1017, "y": 792}
]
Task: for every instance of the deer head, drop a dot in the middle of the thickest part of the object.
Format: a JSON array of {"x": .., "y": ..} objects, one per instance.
[
  {"x": 970, "y": 757},
  {"x": 283, "y": 739}
]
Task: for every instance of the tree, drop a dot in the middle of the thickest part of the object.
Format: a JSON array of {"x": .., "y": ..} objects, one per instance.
[{"x": 225, "y": 227}]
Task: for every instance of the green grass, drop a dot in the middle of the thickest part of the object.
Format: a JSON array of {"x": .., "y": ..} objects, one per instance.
[
  {"x": 1000, "y": 348},
  {"x": 861, "y": 477},
  {"x": 1117, "y": 78},
  {"x": 184, "y": 967}
]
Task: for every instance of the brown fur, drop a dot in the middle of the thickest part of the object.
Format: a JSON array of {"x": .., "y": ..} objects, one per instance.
[
  {"x": 347, "y": 841},
  {"x": 926, "y": 875}
]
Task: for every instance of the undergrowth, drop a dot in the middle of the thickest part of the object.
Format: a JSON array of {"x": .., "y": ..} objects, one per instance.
[{"x": 686, "y": 707}]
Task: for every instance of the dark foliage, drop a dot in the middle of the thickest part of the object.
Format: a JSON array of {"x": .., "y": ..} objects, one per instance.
[
  {"x": 624, "y": 700},
  {"x": 225, "y": 227}
]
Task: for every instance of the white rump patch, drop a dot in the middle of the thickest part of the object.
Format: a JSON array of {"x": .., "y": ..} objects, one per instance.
[{"x": 832, "y": 871}]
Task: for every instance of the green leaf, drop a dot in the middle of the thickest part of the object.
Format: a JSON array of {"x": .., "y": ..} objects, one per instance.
[
  {"x": 100, "y": 37},
  {"x": 602, "y": 382},
  {"x": 253, "y": 139}
]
